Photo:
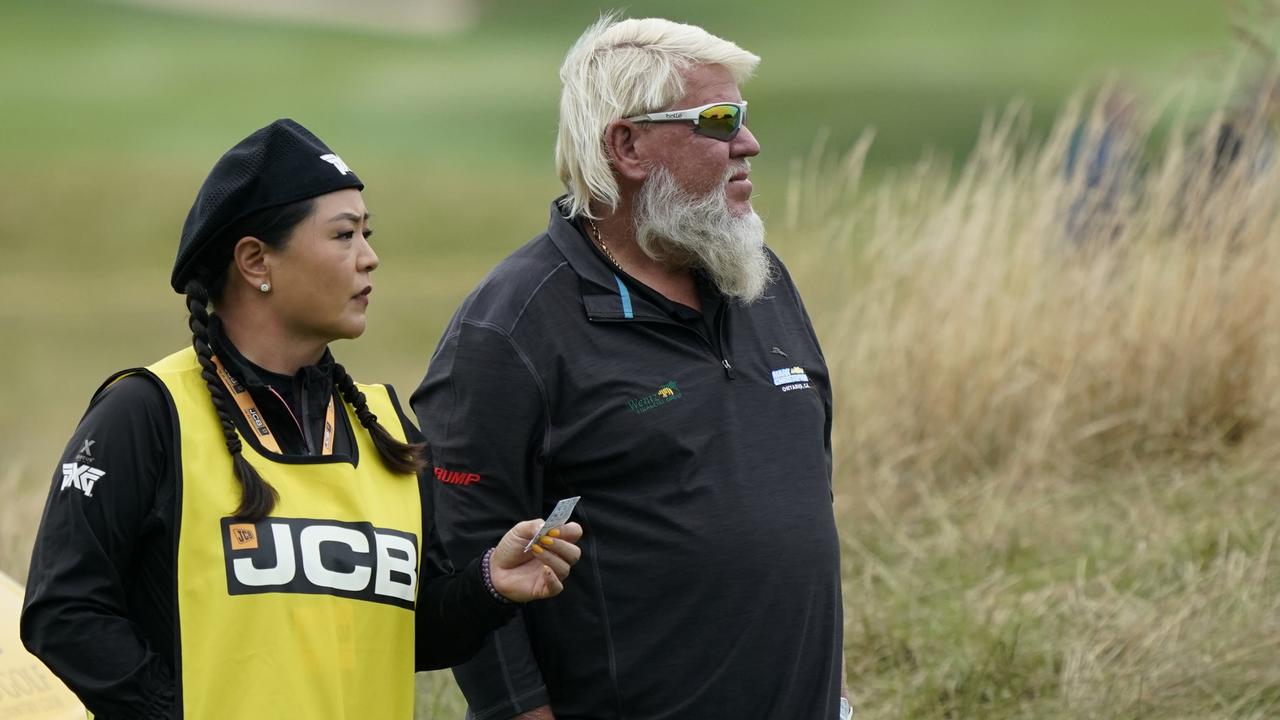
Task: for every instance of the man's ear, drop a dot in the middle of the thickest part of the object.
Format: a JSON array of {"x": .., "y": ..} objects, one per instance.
[
  {"x": 620, "y": 142},
  {"x": 251, "y": 261}
]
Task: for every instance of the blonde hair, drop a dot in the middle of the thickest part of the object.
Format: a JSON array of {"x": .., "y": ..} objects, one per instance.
[{"x": 620, "y": 68}]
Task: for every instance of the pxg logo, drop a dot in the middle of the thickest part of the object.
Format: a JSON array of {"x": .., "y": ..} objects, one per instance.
[{"x": 326, "y": 557}]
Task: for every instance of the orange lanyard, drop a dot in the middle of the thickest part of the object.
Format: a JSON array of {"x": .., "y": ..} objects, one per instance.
[{"x": 258, "y": 423}]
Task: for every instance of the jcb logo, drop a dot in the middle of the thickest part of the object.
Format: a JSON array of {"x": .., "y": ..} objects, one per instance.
[{"x": 328, "y": 557}]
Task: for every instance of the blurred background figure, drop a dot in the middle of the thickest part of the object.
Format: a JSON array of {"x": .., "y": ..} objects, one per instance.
[
  {"x": 1102, "y": 162},
  {"x": 1226, "y": 182},
  {"x": 1246, "y": 135}
]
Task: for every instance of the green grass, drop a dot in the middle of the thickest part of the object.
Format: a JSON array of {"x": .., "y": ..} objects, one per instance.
[{"x": 94, "y": 78}]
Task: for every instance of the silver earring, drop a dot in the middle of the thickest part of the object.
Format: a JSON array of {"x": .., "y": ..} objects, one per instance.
[{"x": 265, "y": 287}]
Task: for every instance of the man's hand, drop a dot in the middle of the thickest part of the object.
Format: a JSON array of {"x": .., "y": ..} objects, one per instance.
[
  {"x": 538, "y": 713},
  {"x": 538, "y": 574}
]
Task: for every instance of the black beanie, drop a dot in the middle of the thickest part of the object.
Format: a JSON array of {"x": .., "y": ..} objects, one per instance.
[{"x": 280, "y": 164}]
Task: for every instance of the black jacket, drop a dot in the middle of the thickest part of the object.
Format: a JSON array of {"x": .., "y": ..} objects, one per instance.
[
  {"x": 710, "y": 584},
  {"x": 100, "y": 609}
]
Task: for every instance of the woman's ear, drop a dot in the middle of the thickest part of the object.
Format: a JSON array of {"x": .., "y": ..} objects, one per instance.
[
  {"x": 621, "y": 138},
  {"x": 252, "y": 262}
]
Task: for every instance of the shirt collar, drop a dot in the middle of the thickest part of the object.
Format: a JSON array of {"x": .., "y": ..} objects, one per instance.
[
  {"x": 607, "y": 292},
  {"x": 254, "y": 376}
]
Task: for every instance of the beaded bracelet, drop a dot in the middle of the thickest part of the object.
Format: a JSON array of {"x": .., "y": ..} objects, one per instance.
[{"x": 488, "y": 578}]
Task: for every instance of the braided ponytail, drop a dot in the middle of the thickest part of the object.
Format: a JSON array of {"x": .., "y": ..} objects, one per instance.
[
  {"x": 257, "y": 497},
  {"x": 399, "y": 456}
]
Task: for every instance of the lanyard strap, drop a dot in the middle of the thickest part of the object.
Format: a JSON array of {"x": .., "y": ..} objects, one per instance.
[{"x": 254, "y": 417}]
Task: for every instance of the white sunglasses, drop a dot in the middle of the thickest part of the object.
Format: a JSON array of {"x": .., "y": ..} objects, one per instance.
[{"x": 721, "y": 120}]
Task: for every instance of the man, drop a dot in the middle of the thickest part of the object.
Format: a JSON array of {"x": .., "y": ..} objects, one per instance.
[{"x": 650, "y": 354}]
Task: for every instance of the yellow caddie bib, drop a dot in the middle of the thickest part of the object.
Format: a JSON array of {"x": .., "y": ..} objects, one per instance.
[{"x": 308, "y": 613}]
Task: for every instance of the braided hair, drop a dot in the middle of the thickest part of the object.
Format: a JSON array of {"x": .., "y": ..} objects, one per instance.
[
  {"x": 273, "y": 227},
  {"x": 257, "y": 498},
  {"x": 400, "y": 456}
]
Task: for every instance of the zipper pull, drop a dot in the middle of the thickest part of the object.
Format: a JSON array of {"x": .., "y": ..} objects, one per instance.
[{"x": 728, "y": 369}]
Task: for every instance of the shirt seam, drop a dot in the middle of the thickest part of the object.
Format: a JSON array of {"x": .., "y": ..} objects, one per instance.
[
  {"x": 514, "y": 706},
  {"x": 528, "y": 366},
  {"x": 537, "y": 289}
]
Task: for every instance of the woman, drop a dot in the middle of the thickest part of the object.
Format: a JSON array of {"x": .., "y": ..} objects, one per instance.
[{"x": 238, "y": 529}]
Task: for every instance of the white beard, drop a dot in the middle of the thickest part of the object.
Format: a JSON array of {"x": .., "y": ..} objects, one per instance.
[{"x": 680, "y": 230}]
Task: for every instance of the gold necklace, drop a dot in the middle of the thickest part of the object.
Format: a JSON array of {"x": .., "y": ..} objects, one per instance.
[{"x": 604, "y": 248}]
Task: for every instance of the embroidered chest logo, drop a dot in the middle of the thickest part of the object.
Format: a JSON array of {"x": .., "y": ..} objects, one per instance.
[
  {"x": 667, "y": 393},
  {"x": 321, "y": 557},
  {"x": 791, "y": 378}
]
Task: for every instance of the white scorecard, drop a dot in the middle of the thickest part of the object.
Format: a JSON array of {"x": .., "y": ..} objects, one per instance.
[{"x": 559, "y": 516}]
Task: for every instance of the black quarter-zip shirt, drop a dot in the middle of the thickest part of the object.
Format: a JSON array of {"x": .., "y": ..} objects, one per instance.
[{"x": 700, "y": 444}]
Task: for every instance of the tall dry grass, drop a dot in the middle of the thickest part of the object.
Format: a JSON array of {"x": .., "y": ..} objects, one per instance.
[
  {"x": 1057, "y": 411},
  {"x": 1013, "y": 316}
]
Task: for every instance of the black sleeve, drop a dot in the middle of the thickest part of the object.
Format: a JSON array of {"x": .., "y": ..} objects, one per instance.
[
  {"x": 76, "y": 617},
  {"x": 455, "y": 611},
  {"x": 455, "y": 615},
  {"x": 484, "y": 413}
]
